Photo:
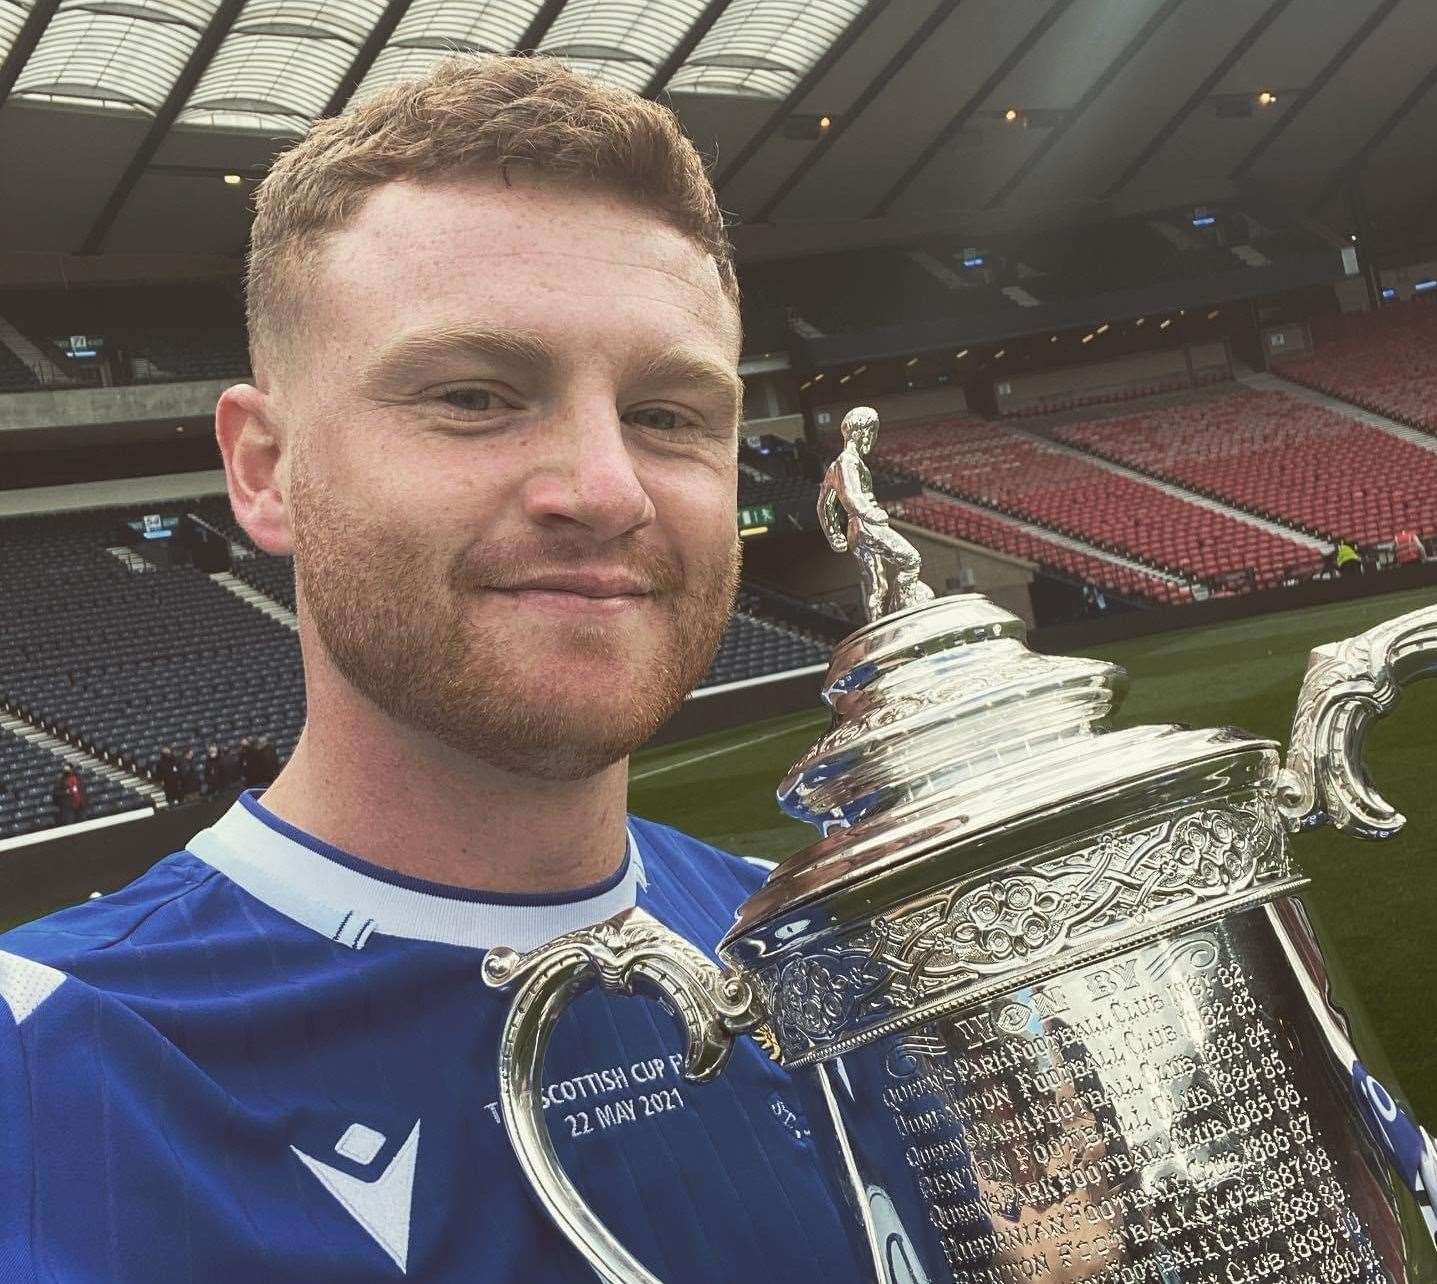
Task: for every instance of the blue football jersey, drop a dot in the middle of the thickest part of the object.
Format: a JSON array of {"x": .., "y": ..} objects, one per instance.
[{"x": 268, "y": 1060}]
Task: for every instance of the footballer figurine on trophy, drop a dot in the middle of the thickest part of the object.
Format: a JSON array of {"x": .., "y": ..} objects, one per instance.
[{"x": 881, "y": 551}]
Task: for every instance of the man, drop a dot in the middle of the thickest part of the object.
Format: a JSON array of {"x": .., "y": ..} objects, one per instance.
[
  {"x": 214, "y": 771},
  {"x": 248, "y": 763},
  {"x": 268, "y": 758},
  {"x": 68, "y": 796},
  {"x": 191, "y": 777},
  {"x": 167, "y": 771},
  {"x": 494, "y": 420}
]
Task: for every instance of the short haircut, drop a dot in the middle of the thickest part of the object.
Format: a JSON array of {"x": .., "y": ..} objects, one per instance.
[{"x": 471, "y": 113}]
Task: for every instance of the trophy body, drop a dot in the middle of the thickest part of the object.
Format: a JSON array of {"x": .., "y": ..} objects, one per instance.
[
  {"x": 1143, "y": 1118},
  {"x": 1049, "y": 989},
  {"x": 1067, "y": 1017}
]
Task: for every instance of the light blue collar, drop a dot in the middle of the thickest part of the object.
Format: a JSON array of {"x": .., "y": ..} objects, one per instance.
[{"x": 348, "y": 899}]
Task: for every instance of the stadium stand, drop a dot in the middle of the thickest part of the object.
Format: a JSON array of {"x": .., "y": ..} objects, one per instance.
[
  {"x": 1384, "y": 361},
  {"x": 118, "y": 656},
  {"x": 28, "y": 774},
  {"x": 755, "y": 488},
  {"x": 820, "y": 621},
  {"x": 1120, "y": 393},
  {"x": 15, "y": 375},
  {"x": 961, "y": 521},
  {"x": 153, "y": 334},
  {"x": 753, "y": 647},
  {"x": 1280, "y": 457},
  {"x": 993, "y": 466}
]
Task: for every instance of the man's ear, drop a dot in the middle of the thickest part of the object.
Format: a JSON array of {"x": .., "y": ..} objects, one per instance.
[{"x": 253, "y": 449}]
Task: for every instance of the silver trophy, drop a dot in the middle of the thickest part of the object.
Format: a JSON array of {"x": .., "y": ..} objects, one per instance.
[{"x": 1052, "y": 985}]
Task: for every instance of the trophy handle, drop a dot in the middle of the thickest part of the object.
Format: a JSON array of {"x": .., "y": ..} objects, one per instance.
[
  {"x": 1347, "y": 686},
  {"x": 631, "y": 953}
]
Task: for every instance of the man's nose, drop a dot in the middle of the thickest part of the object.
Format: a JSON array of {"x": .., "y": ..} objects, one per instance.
[{"x": 586, "y": 477}]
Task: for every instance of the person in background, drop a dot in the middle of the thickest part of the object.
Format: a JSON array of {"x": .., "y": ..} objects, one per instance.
[
  {"x": 214, "y": 771},
  {"x": 248, "y": 762},
  {"x": 69, "y": 797},
  {"x": 190, "y": 778},
  {"x": 230, "y": 776},
  {"x": 1346, "y": 558},
  {"x": 1409, "y": 548},
  {"x": 167, "y": 771},
  {"x": 268, "y": 759}
]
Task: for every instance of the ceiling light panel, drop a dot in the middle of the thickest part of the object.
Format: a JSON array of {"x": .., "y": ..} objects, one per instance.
[
  {"x": 280, "y": 63},
  {"x": 121, "y": 56},
  {"x": 622, "y": 42},
  {"x": 433, "y": 29},
  {"x": 763, "y": 48},
  {"x": 12, "y": 18}
]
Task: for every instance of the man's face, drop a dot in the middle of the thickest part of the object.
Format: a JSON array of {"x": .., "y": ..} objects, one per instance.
[{"x": 513, "y": 467}]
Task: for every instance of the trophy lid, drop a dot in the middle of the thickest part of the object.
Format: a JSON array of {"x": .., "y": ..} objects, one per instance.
[{"x": 951, "y": 740}]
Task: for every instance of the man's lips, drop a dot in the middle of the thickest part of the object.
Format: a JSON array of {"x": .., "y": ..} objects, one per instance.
[{"x": 588, "y": 591}]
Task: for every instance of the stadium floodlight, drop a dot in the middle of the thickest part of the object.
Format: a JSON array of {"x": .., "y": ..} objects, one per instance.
[
  {"x": 233, "y": 180},
  {"x": 1011, "y": 115},
  {"x": 1103, "y": 329},
  {"x": 1424, "y": 287},
  {"x": 1389, "y": 293},
  {"x": 958, "y": 356},
  {"x": 1088, "y": 338},
  {"x": 1203, "y": 217},
  {"x": 825, "y": 122},
  {"x": 1167, "y": 322},
  {"x": 911, "y": 362},
  {"x": 1267, "y": 98}
]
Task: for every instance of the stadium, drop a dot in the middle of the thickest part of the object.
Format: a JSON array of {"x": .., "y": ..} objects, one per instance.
[{"x": 1144, "y": 293}]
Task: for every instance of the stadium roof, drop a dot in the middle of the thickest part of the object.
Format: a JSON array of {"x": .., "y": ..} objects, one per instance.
[{"x": 119, "y": 118}]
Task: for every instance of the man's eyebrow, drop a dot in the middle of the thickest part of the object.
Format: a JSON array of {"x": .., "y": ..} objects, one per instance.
[
  {"x": 421, "y": 348},
  {"x": 681, "y": 365}
]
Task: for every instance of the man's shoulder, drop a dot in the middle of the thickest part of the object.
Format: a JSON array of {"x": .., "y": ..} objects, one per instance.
[
  {"x": 63, "y": 940},
  {"x": 691, "y": 858}
]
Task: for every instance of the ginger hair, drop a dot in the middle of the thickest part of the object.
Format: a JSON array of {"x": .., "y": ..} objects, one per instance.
[{"x": 473, "y": 113}]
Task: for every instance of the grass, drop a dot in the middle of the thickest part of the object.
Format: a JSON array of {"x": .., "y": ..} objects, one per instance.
[{"x": 1374, "y": 903}]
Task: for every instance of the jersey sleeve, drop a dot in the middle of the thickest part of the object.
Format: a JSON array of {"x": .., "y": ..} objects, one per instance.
[{"x": 24, "y": 986}]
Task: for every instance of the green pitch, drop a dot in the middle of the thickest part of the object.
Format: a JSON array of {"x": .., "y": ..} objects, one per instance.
[{"x": 1376, "y": 903}]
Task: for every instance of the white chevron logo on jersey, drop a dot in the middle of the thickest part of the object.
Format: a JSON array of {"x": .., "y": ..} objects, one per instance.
[{"x": 381, "y": 1206}]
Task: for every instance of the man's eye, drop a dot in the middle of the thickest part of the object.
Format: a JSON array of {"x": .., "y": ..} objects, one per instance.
[
  {"x": 661, "y": 418},
  {"x": 473, "y": 399}
]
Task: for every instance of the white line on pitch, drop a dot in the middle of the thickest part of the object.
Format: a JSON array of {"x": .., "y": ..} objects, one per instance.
[{"x": 714, "y": 753}]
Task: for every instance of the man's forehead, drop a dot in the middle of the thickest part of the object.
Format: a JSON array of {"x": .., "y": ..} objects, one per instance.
[
  {"x": 444, "y": 225},
  {"x": 472, "y": 246}
]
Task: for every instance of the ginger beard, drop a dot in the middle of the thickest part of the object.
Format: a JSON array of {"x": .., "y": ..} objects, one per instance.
[{"x": 419, "y": 651}]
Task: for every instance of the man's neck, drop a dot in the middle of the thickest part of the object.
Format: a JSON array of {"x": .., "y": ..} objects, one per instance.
[{"x": 410, "y": 804}]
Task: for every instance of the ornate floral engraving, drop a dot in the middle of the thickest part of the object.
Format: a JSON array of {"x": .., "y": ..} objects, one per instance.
[{"x": 1120, "y": 884}]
